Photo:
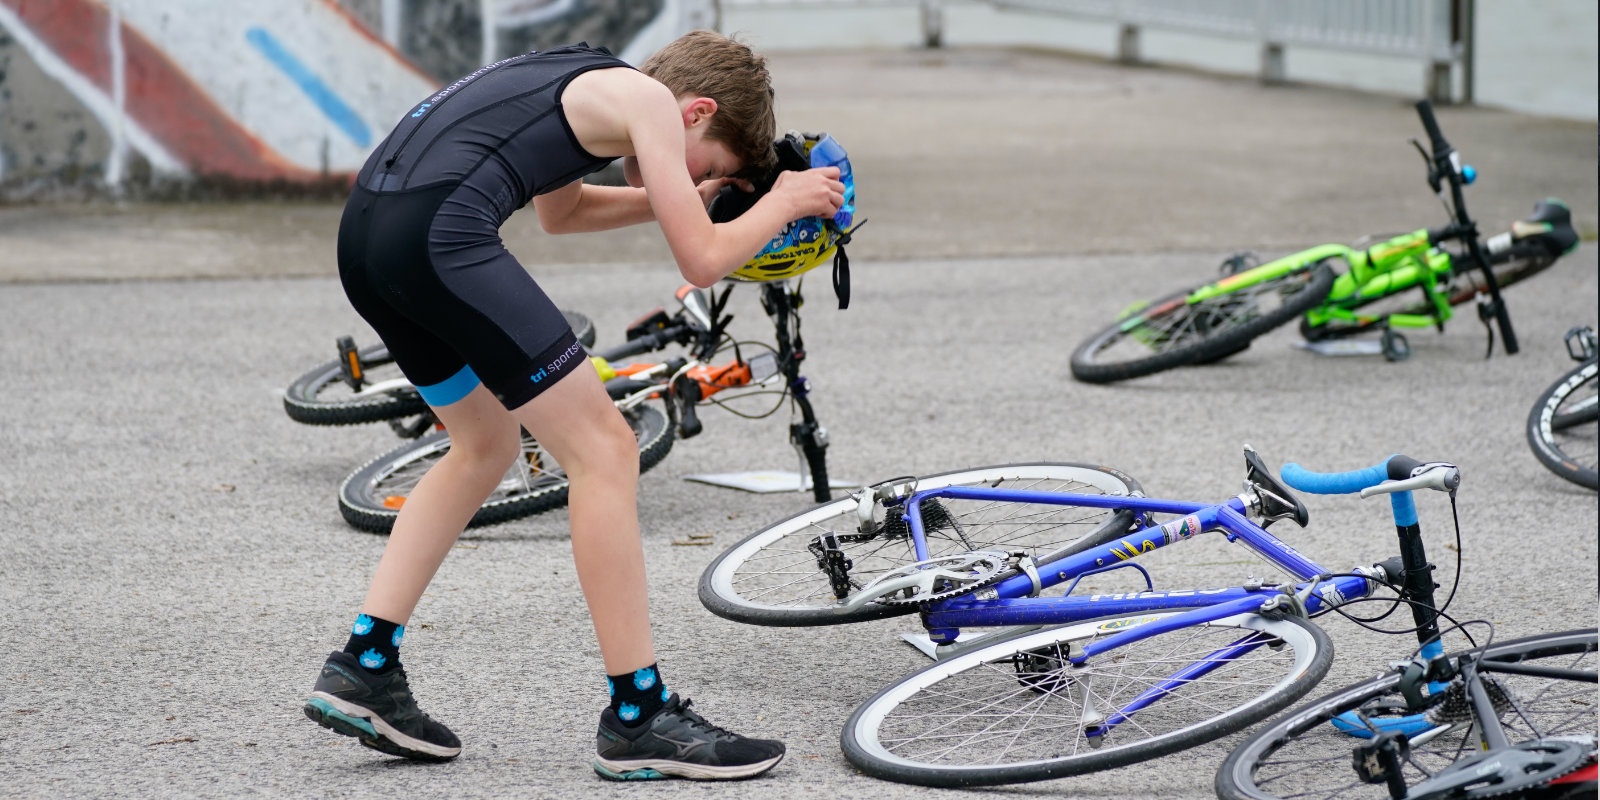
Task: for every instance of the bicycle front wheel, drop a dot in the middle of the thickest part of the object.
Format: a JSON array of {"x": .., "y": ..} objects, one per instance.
[
  {"x": 1562, "y": 427},
  {"x": 1172, "y": 332},
  {"x": 1017, "y": 711},
  {"x": 1306, "y": 754},
  {"x": 371, "y": 498},
  {"x": 774, "y": 577}
]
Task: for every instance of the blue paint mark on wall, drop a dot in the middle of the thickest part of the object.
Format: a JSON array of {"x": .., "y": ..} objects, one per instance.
[{"x": 341, "y": 115}]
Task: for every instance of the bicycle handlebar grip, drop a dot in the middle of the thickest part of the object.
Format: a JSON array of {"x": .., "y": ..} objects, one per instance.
[
  {"x": 1431, "y": 125},
  {"x": 1394, "y": 468}
]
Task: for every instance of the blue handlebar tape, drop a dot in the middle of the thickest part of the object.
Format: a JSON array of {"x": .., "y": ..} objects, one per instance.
[
  {"x": 1298, "y": 477},
  {"x": 1305, "y": 480}
]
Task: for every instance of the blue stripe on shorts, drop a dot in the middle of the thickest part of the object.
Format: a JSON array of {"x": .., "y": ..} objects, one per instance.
[{"x": 451, "y": 389}]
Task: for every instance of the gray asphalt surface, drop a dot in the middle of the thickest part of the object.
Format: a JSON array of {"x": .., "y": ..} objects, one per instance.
[{"x": 173, "y": 567}]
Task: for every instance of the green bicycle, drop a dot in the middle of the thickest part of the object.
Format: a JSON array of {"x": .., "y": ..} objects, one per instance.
[{"x": 1339, "y": 290}]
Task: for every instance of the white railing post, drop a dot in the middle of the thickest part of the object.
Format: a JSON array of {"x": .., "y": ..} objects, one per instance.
[
  {"x": 487, "y": 13},
  {"x": 1272, "y": 63},
  {"x": 1437, "y": 53},
  {"x": 932, "y": 23}
]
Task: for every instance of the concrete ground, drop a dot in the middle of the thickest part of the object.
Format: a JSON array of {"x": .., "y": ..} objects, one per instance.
[{"x": 173, "y": 567}]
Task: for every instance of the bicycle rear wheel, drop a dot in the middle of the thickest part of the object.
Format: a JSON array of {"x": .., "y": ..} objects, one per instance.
[
  {"x": 322, "y": 397},
  {"x": 773, "y": 577},
  {"x": 372, "y": 496},
  {"x": 1562, "y": 427},
  {"x": 1305, "y": 754},
  {"x": 1172, "y": 332},
  {"x": 1017, "y": 711}
]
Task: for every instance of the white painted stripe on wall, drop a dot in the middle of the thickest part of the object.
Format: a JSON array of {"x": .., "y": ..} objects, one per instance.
[{"x": 102, "y": 107}]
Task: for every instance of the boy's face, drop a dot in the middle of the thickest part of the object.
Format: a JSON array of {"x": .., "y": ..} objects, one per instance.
[{"x": 708, "y": 159}]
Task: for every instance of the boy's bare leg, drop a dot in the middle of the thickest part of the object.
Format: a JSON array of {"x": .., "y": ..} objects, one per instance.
[
  {"x": 578, "y": 424},
  {"x": 484, "y": 441}
]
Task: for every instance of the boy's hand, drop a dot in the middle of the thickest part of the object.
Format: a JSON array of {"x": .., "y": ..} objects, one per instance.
[
  {"x": 708, "y": 189},
  {"x": 812, "y": 193}
]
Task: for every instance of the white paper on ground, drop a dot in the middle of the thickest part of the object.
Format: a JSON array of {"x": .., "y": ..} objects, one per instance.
[
  {"x": 1343, "y": 347},
  {"x": 765, "y": 481}
]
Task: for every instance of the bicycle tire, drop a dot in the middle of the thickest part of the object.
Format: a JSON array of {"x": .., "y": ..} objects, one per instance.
[
  {"x": 371, "y": 497},
  {"x": 1562, "y": 426},
  {"x": 1016, "y": 711},
  {"x": 321, "y": 397},
  {"x": 1179, "y": 333},
  {"x": 1260, "y": 768},
  {"x": 772, "y": 578},
  {"x": 1465, "y": 287}
]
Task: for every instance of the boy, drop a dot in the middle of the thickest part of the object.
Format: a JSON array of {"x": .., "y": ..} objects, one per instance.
[{"x": 421, "y": 260}]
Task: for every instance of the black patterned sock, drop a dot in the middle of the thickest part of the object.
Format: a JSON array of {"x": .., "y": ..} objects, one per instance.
[
  {"x": 375, "y": 643},
  {"x": 637, "y": 695}
]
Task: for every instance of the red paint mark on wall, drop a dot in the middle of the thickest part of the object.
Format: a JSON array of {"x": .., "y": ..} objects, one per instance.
[{"x": 160, "y": 97}]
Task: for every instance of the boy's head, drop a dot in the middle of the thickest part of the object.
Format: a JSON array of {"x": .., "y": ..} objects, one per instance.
[{"x": 708, "y": 64}]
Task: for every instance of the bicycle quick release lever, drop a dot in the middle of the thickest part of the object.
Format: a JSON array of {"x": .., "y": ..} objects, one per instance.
[{"x": 1438, "y": 476}]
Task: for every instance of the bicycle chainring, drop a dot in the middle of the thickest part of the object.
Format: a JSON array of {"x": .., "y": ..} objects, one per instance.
[{"x": 938, "y": 578}]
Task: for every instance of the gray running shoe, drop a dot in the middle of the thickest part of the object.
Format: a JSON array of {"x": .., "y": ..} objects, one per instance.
[
  {"x": 377, "y": 709},
  {"x": 678, "y": 743}
]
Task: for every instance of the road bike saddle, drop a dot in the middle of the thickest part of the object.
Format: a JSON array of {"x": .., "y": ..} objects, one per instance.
[{"x": 1277, "y": 502}]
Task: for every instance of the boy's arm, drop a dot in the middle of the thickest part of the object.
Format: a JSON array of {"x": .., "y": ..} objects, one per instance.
[
  {"x": 707, "y": 252},
  {"x": 580, "y": 208}
]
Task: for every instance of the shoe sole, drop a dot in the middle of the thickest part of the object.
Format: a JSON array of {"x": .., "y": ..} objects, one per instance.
[
  {"x": 656, "y": 769},
  {"x": 349, "y": 719}
]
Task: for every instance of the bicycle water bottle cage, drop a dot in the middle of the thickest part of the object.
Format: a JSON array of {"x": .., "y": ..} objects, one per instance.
[{"x": 1266, "y": 496}]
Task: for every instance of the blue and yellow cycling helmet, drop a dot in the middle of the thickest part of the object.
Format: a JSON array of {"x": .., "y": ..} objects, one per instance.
[{"x": 808, "y": 242}]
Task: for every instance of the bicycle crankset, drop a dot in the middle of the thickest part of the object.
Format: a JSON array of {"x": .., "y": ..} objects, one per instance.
[
  {"x": 934, "y": 579},
  {"x": 1509, "y": 772}
]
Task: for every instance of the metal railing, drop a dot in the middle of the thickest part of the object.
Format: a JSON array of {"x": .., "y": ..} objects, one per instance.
[{"x": 1436, "y": 33}]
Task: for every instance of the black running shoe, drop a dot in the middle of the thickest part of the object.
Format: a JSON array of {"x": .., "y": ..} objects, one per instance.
[
  {"x": 678, "y": 743},
  {"x": 378, "y": 710}
]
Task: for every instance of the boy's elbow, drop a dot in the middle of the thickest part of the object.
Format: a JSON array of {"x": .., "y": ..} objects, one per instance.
[
  {"x": 552, "y": 224},
  {"x": 702, "y": 276}
]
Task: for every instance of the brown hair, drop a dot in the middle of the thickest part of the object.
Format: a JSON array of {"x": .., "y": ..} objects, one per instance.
[{"x": 708, "y": 64}]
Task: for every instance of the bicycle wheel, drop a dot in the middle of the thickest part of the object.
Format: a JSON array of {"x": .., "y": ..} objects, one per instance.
[
  {"x": 1562, "y": 427},
  {"x": 1408, "y": 300},
  {"x": 773, "y": 577},
  {"x": 322, "y": 397},
  {"x": 1017, "y": 711},
  {"x": 1172, "y": 332},
  {"x": 371, "y": 497},
  {"x": 1303, "y": 754}
]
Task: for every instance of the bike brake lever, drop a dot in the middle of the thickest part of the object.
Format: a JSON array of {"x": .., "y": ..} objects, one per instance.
[{"x": 1440, "y": 477}]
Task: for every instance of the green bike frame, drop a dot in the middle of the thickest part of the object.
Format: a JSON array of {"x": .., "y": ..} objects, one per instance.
[{"x": 1403, "y": 262}]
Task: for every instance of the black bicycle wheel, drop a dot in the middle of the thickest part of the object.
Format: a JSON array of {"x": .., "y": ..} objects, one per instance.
[
  {"x": 371, "y": 497},
  {"x": 322, "y": 397},
  {"x": 777, "y": 576},
  {"x": 1018, "y": 711},
  {"x": 1463, "y": 287},
  {"x": 1562, "y": 428},
  {"x": 1172, "y": 332},
  {"x": 1305, "y": 754}
]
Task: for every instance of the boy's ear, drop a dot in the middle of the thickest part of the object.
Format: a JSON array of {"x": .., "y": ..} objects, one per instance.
[{"x": 698, "y": 110}]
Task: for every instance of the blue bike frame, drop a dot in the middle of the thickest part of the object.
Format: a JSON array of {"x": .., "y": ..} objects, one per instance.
[{"x": 1014, "y": 601}]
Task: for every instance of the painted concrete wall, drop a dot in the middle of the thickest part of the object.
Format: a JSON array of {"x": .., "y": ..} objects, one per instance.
[{"x": 147, "y": 95}]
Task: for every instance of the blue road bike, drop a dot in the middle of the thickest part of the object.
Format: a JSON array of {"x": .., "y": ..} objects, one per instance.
[{"x": 1069, "y": 682}]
